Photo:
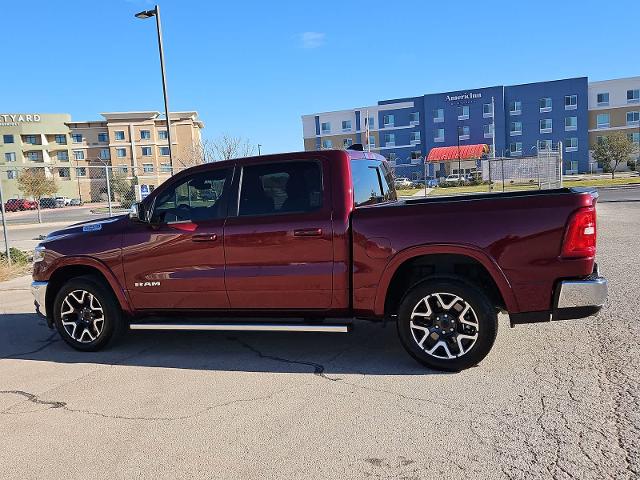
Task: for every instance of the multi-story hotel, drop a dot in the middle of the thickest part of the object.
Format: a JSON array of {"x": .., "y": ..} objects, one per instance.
[
  {"x": 520, "y": 120},
  {"x": 134, "y": 144}
]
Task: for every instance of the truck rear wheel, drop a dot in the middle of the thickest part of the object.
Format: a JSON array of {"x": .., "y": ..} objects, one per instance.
[
  {"x": 86, "y": 314},
  {"x": 447, "y": 324}
]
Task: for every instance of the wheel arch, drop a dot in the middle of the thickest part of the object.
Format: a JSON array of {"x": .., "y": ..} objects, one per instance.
[
  {"x": 416, "y": 264},
  {"x": 74, "y": 267}
]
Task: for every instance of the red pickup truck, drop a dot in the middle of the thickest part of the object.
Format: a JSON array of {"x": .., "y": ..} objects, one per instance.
[{"x": 303, "y": 241}]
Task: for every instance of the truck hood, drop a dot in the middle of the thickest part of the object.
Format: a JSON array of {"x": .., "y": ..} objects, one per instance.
[{"x": 107, "y": 225}]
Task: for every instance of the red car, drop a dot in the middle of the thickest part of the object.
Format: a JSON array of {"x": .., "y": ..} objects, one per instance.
[
  {"x": 19, "y": 204},
  {"x": 307, "y": 241}
]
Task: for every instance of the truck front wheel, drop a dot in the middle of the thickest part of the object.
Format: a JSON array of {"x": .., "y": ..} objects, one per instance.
[
  {"x": 86, "y": 314},
  {"x": 447, "y": 324}
]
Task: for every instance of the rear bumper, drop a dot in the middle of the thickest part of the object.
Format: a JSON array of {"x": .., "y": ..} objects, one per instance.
[
  {"x": 39, "y": 292},
  {"x": 577, "y": 298}
]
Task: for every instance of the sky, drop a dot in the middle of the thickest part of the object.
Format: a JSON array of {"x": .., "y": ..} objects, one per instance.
[{"x": 252, "y": 68}]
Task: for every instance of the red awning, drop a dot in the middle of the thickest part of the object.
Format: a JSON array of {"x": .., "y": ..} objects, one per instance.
[{"x": 464, "y": 152}]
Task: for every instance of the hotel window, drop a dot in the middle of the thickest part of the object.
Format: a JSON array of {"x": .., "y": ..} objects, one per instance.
[
  {"x": 633, "y": 96},
  {"x": 12, "y": 174},
  {"x": 602, "y": 99},
  {"x": 105, "y": 154},
  {"x": 145, "y": 134},
  {"x": 164, "y": 151},
  {"x": 121, "y": 152},
  {"x": 34, "y": 156},
  {"x": 76, "y": 137},
  {"x": 463, "y": 112},
  {"x": 389, "y": 120},
  {"x": 123, "y": 169},
  {"x": 515, "y": 107},
  {"x": 634, "y": 137},
  {"x": 146, "y": 151},
  {"x": 416, "y": 155},
  {"x": 372, "y": 122},
  {"x": 415, "y": 137},
  {"x": 633, "y": 118},
  {"x": 487, "y": 110},
  {"x": 390, "y": 139},
  {"x": 326, "y": 143},
  {"x": 570, "y": 123},
  {"x": 571, "y": 144},
  {"x": 64, "y": 172},
  {"x": 165, "y": 168},
  {"x": 515, "y": 129},
  {"x": 30, "y": 139},
  {"x": 393, "y": 157},
  {"x": 7, "y": 138},
  {"x": 63, "y": 156},
  {"x": 464, "y": 132},
  {"x": 515, "y": 148},
  {"x": 438, "y": 135},
  {"x": 546, "y": 125},
  {"x": 545, "y": 104},
  {"x": 147, "y": 167},
  {"x": 414, "y": 118},
  {"x": 326, "y": 127},
  {"x": 162, "y": 134},
  {"x": 372, "y": 141},
  {"x": 602, "y": 120},
  {"x": 81, "y": 172},
  {"x": 347, "y": 142},
  {"x": 61, "y": 139},
  {"x": 119, "y": 134},
  {"x": 544, "y": 145},
  {"x": 346, "y": 125},
  {"x": 438, "y": 115},
  {"x": 103, "y": 137},
  {"x": 78, "y": 154},
  {"x": 10, "y": 157},
  {"x": 570, "y": 102},
  {"x": 488, "y": 130}
]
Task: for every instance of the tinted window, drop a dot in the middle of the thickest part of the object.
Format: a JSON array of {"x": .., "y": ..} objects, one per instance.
[
  {"x": 281, "y": 188},
  {"x": 372, "y": 182},
  {"x": 196, "y": 198}
]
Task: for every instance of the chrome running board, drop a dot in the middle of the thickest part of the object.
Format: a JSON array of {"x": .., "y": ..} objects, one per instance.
[{"x": 245, "y": 327}]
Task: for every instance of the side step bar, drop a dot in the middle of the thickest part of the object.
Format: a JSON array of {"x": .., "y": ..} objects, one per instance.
[{"x": 245, "y": 327}]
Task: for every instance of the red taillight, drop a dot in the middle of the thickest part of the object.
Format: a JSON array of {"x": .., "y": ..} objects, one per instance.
[{"x": 580, "y": 236}]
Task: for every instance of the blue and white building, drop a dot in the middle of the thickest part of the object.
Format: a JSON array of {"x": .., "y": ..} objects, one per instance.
[{"x": 519, "y": 120}]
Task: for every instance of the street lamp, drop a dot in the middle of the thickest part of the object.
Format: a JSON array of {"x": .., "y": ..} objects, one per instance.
[{"x": 143, "y": 16}]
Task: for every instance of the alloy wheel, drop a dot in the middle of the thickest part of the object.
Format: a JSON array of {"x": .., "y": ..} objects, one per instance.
[{"x": 82, "y": 316}]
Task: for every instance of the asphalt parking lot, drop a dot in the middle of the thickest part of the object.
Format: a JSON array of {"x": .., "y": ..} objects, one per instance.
[{"x": 557, "y": 400}]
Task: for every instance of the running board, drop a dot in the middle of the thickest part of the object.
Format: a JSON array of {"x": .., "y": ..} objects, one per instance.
[{"x": 244, "y": 327}]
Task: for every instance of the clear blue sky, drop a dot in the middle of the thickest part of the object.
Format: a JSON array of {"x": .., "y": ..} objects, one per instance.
[{"x": 251, "y": 68}]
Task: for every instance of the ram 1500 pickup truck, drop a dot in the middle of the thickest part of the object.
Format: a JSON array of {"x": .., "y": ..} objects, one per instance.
[{"x": 303, "y": 241}]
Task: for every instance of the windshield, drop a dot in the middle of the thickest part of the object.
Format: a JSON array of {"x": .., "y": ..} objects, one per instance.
[{"x": 372, "y": 182}]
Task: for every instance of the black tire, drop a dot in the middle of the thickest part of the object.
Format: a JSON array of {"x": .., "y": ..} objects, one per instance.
[
  {"x": 444, "y": 324},
  {"x": 112, "y": 324}
]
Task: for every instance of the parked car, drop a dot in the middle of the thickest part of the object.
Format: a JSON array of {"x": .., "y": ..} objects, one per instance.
[
  {"x": 48, "y": 202},
  {"x": 455, "y": 178},
  {"x": 19, "y": 204},
  {"x": 64, "y": 201},
  {"x": 403, "y": 182},
  {"x": 320, "y": 236},
  {"x": 76, "y": 202}
]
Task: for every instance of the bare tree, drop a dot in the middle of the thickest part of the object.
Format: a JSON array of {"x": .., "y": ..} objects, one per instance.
[{"x": 227, "y": 147}]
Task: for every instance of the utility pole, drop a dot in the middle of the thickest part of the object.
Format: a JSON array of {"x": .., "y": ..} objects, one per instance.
[
  {"x": 4, "y": 225},
  {"x": 259, "y": 149},
  {"x": 459, "y": 161}
]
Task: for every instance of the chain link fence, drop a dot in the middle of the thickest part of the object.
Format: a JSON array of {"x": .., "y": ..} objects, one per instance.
[{"x": 522, "y": 173}]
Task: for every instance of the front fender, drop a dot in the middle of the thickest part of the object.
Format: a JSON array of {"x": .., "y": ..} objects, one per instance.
[{"x": 437, "y": 249}]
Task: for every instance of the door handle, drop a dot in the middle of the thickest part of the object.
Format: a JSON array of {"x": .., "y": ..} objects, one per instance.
[
  {"x": 308, "y": 232},
  {"x": 204, "y": 237}
]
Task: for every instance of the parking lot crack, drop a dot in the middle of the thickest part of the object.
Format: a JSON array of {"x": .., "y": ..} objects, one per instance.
[{"x": 33, "y": 399}]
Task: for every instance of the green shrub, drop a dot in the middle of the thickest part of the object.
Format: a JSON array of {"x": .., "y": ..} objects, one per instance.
[{"x": 17, "y": 256}]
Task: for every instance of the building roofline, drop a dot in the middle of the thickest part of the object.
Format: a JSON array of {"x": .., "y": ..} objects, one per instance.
[{"x": 615, "y": 80}]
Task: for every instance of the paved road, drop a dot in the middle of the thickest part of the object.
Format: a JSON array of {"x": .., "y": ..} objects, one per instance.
[
  {"x": 67, "y": 214},
  {"x": 620, "y": 194},
  {"x": 558, "y": 400}
]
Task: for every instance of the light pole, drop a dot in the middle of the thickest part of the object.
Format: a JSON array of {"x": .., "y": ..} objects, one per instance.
[{"x": 156, "y": 13}]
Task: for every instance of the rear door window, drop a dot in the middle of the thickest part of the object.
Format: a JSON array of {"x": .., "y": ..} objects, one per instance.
[
  {"x": 286, "y": 187},
  {"x": 372, "y": 182}
]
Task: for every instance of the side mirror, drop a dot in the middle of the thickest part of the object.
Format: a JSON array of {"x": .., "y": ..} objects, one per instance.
[{"x": 137, "y": 212}]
